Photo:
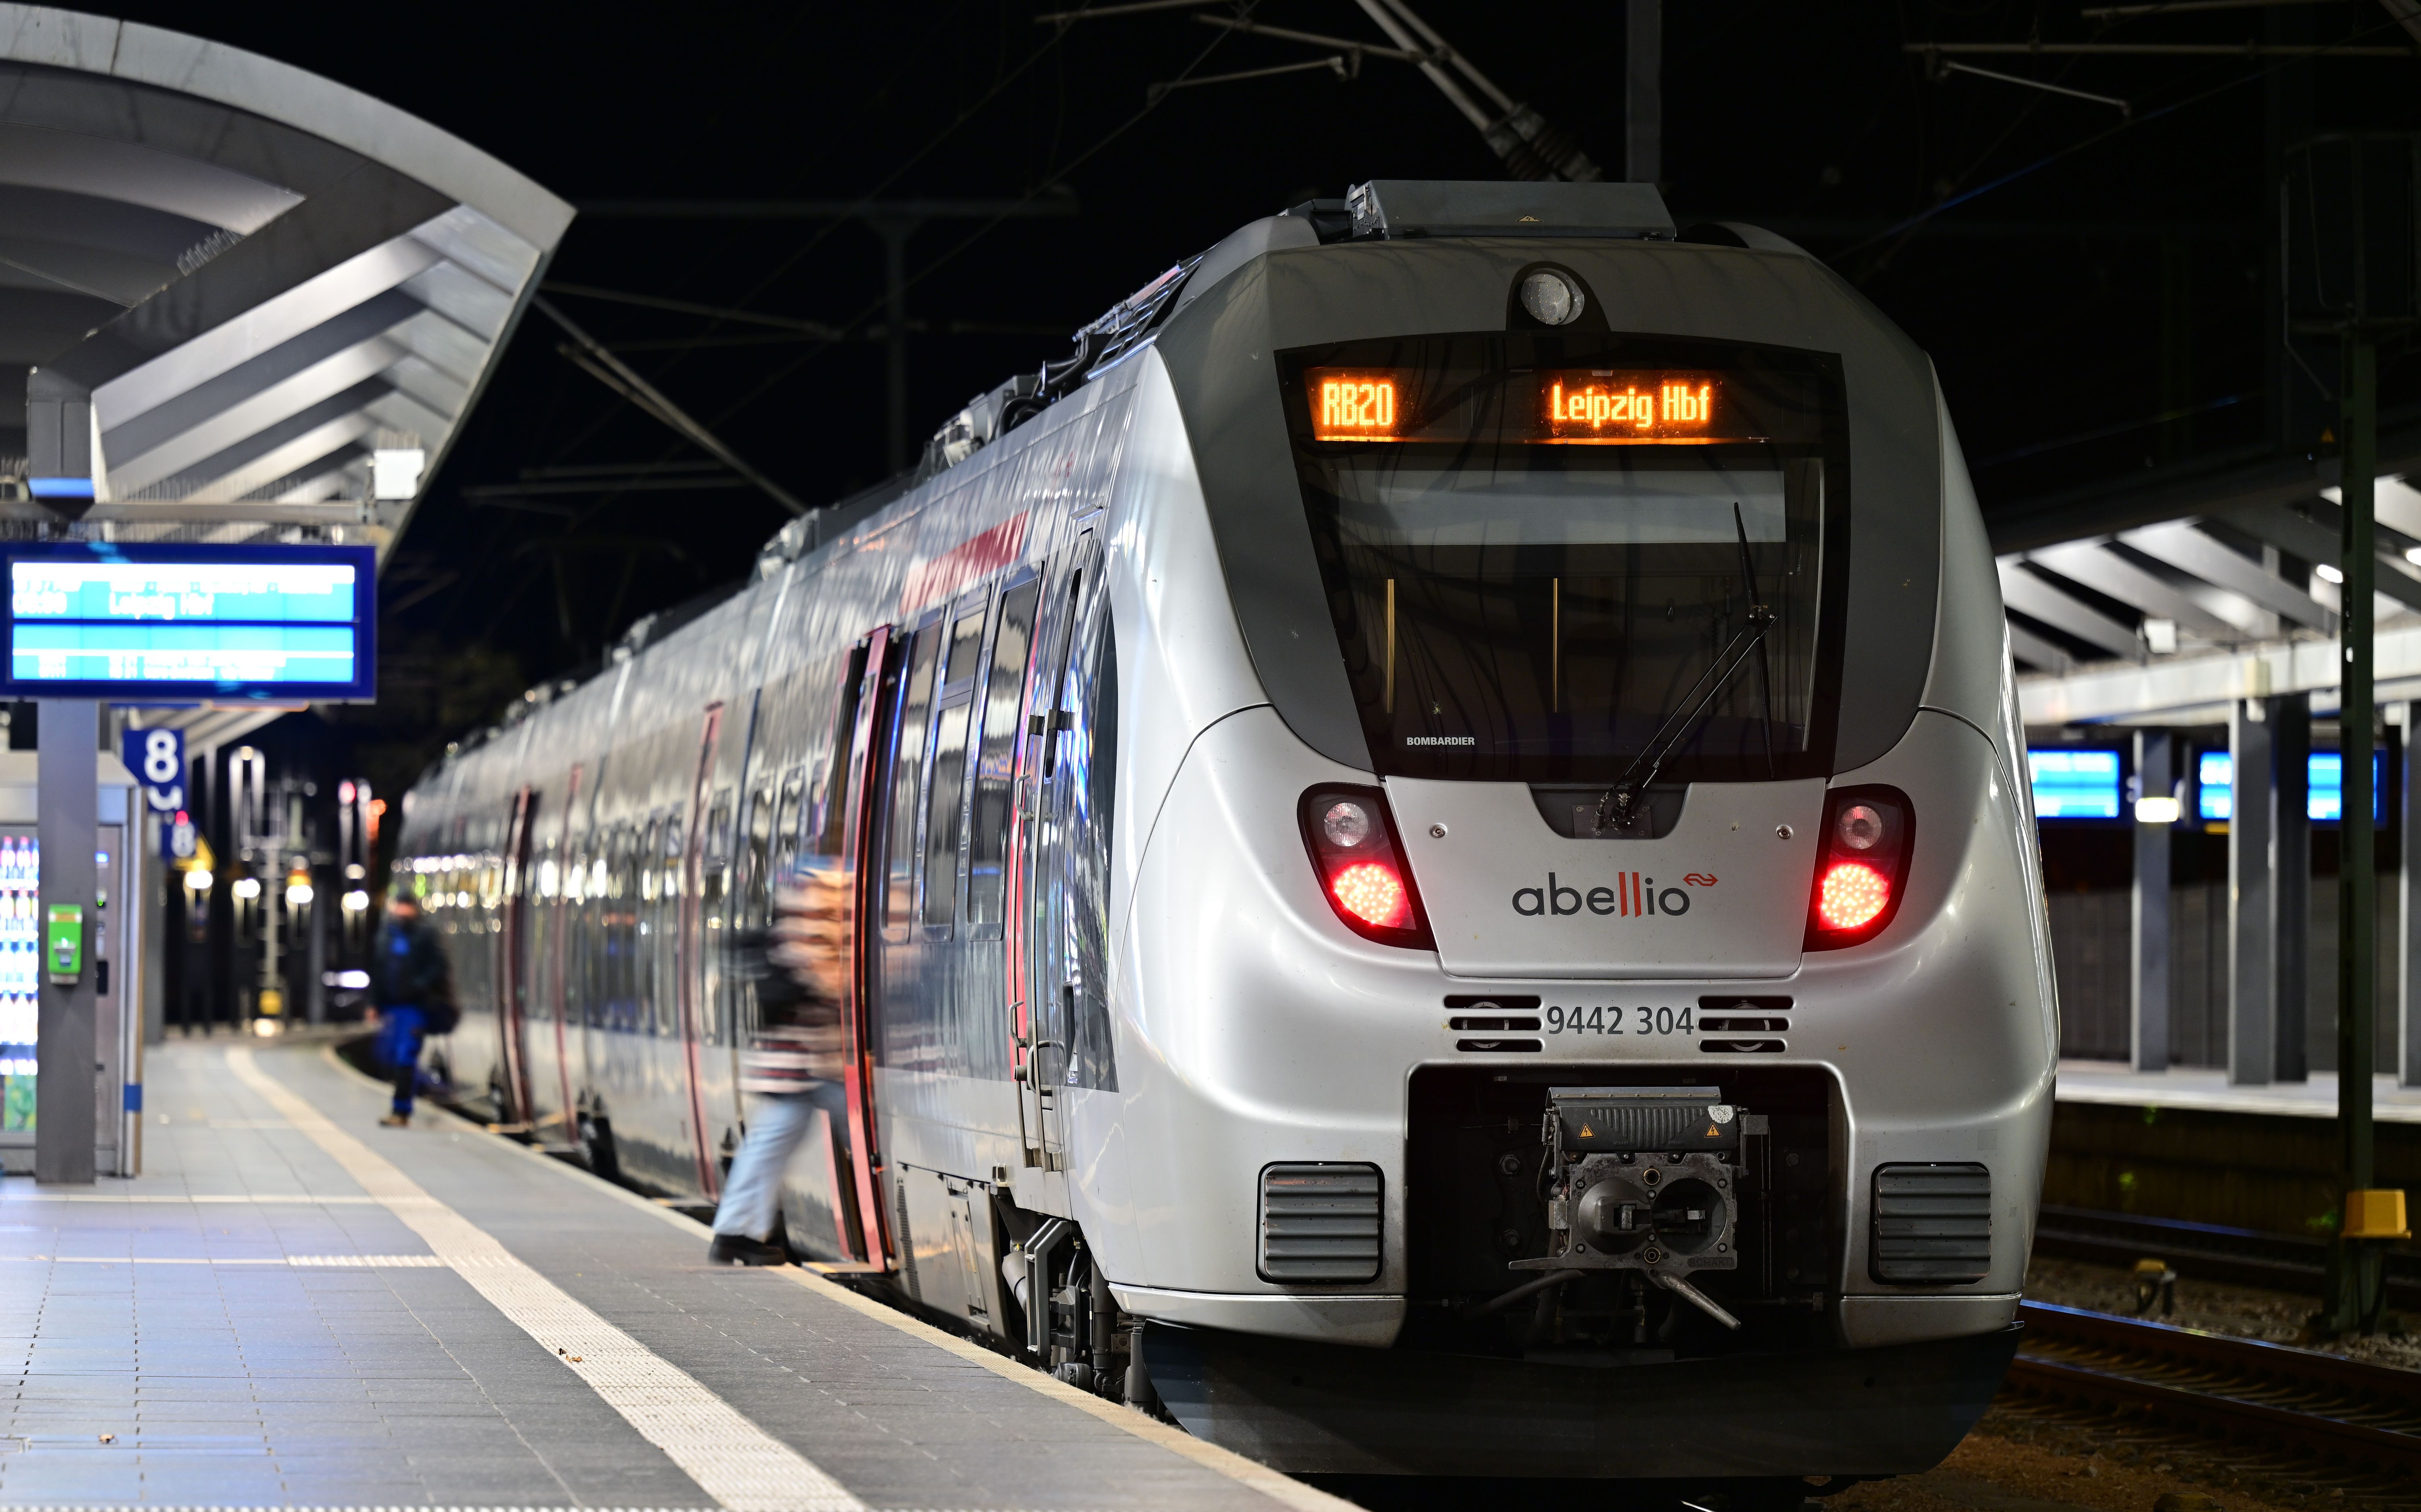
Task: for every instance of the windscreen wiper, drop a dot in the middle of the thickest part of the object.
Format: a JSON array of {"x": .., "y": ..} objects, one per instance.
[{"x": 1619, "y": 809}]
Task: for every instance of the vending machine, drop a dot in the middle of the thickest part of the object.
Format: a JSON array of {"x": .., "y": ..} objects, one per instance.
[{"x": 116, "y": 944}]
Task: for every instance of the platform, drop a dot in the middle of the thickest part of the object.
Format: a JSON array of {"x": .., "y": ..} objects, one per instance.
[
  {"x": 296, "y": 1307},
  {"x": 2205, "y": 1089}
]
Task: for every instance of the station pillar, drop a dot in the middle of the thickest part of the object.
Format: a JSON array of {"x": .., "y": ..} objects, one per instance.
[
  {"x": 2252, "y": 981},
  {"x": 2290, "y": 883},
  {"x": 2408, "y": 912},
  {"x": 67, "y": 1103},
  {"x": 2156, "y": 778}
]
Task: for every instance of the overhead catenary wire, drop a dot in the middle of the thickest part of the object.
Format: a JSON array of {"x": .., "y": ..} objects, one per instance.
[
  {"x": 1049, "y": 182},
  {"x": 1944, "y": 67},
  {"x": 618, "y": 374},
  {"x": 1952, "y": 202}
]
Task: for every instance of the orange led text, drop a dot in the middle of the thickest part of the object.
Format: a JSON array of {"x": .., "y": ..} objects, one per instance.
[
  {"x": 1356, "y": 405},
  {"x": 1667, "y": 404}
]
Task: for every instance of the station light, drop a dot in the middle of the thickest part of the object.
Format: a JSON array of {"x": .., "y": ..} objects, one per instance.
[
  {"x": 2158, "y": 810},
  {"x": 2328, "y": 573}
]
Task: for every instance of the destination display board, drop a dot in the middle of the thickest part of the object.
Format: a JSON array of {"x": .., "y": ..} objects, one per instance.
[{"x": 151, "y": 623}]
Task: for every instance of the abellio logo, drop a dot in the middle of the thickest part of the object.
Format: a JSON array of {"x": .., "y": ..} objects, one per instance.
[{"x": 1631, "y": 896}]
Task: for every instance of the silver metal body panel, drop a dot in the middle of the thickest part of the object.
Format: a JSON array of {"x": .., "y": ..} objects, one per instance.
[{"x": 1724, "y": 895}]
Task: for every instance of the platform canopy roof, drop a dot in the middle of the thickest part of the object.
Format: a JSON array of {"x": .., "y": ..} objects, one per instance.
[
  {"x": 236, "y": 297},
  {"x": 2180, "y": 604}
]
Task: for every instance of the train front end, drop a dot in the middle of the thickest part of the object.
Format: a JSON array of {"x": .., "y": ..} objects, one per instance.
[{"x": 1589, "y": 1015}]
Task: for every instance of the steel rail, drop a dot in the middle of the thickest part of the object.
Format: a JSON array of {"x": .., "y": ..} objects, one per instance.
[
  {"x": 2208, "y": 1252},
  {"x": 2324, "y": 1403}
]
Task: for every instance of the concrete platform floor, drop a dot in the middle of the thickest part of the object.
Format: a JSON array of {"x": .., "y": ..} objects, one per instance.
[
  {"x": 2207, "y": 1088},
  {"x": 296, "y": 1307}
]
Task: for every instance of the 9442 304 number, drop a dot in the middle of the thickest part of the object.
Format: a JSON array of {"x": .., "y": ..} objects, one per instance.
[{"x": 1607, "y": 1020}]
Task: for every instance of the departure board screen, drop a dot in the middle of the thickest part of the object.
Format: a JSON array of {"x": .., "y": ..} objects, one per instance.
[{"x": 170, "y": 623}]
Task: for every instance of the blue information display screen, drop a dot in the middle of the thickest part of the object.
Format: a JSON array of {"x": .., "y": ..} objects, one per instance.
[
  {"x": 2324, "y": 800},
  {"x": 167, "y": 622},
  {"x": 2073, "y": 783}
]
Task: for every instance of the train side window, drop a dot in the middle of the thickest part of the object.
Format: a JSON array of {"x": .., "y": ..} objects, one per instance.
[
  {"x": 827, "y": 817},
  {"x": 1101, "y": 775},
  {"x": 1062, "y": 717},
  {"x": 907, "y": 778},
  {"x": 755, "y": 858},
  {"x": 622, "y": 938},
  {"x": 948, "y": 794},
  {"x": 665, "y": 989},
  {"x": 1012, "y": 645},
  {"x": 787, "y": 819}
]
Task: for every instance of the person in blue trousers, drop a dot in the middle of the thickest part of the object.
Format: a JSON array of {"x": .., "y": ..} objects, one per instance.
[
  {"x": 410, "y": 984},
  {"x": 794, "y": 1062}
]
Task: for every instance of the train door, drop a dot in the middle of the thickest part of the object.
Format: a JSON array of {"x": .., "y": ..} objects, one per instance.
[
  {"x": 1046, "y": 1026},
  {"x": 512, "y": 943},
  {"x": 689, "y": 946},
  {"x": 853, "y": 835}
]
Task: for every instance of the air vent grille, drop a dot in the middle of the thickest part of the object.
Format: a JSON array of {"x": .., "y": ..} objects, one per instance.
[
  {"x": 1320, "y": 1223},
  {"x": 1933, "y": 1223}
]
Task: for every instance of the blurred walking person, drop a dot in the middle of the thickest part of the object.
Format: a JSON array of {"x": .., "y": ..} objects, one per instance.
[
  {"x": 414, "y": 994},
  {"x": 793, "y": 1062}
]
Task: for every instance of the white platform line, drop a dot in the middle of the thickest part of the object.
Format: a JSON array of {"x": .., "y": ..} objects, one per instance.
[
  {"x": 308, "y": 1261},
  {"x": 732, "y": 1459},
  {"x": 13, "y": 1198},
  {"x": 1276, "y": 1485}
]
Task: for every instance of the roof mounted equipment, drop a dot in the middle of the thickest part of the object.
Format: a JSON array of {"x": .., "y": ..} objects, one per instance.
[{"x": 1399, "y": 207}]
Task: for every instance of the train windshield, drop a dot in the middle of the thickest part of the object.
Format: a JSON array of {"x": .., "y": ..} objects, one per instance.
[{"x": 1539, "y": 549}]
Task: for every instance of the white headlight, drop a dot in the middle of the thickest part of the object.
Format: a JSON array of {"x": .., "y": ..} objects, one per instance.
[{"x": 1551, "y": 299}]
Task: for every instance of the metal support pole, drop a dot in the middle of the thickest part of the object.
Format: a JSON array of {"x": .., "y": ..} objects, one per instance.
[
  {"x": 1642, "y": 157},
  {"x": 2156, "y": 778},
  {"x": 2291, "y": 881},
  {"x": 66, "y": 1096},
  {"x": 2252, "y": 1025},
  {"x": 2356, "y": 1266},
  {"x": 894, "y": 236},
  {"x": 315, "y": 976},
  {"x": 2408, "y": 912}
]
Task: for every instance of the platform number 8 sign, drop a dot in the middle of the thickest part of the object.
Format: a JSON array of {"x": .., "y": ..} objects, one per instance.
[{"x": 157, "y": 758}]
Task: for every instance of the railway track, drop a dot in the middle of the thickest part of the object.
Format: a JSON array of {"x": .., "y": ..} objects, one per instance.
[
  {"x": 2208, "y": 1252},
  {"x": 2322, "y": 1404}
]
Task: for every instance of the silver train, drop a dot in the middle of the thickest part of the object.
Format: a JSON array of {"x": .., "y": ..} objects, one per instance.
[{"x": 1445, "y": 882}]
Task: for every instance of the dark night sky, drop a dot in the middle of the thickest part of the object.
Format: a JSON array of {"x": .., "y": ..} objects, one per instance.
[{"x": 1810, "y": 116}]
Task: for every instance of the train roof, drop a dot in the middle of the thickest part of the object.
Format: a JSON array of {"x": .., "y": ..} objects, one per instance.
[{"x": 1382, "y": 209}]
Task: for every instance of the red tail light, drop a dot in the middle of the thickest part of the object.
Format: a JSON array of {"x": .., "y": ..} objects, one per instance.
[
  {"x": 1352, "y": 842},
  {"x": 1860, "y": 865}
]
